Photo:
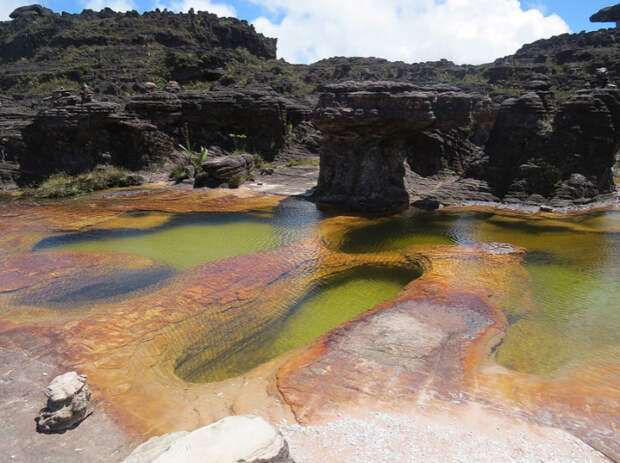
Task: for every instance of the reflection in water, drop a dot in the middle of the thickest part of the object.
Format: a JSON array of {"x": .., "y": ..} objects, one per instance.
[
  {"x": 574, "y": 277},
  {"x": 574, "y": 270},
  {"x": 188, "y": 240},
  {"x": 326, "y": 306}
]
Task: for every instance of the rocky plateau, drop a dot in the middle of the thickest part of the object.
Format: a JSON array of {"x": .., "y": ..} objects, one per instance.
[{"x": 86, "y": 91}]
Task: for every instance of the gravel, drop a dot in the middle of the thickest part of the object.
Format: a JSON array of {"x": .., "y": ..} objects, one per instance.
[{"x": 388, "y": 438}]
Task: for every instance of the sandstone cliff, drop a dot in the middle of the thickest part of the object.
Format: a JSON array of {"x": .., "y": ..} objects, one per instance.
[{"x": 538, "y": 127}]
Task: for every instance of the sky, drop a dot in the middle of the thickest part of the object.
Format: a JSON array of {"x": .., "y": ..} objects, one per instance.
[{"x": 463, "y": 31}]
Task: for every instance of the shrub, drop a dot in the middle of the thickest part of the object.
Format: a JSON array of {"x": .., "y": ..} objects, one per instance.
[
  {"x": 303, "y": 162},
  {"x": 62, "y": 185},
  {"x": 236, "y": 181}
]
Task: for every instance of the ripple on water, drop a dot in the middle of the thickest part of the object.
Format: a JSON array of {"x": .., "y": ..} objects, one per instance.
[
  {"x": 327, "y": 305},
  {"x": 574, "y": 269}
]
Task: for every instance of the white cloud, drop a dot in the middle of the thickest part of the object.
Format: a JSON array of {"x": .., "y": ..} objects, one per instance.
[
  {"x": 464, "y": 31},
  {"x": 116, "y": 5},
  {"x": 220, "y": 9},
  {"x": 7, "y": 7}
]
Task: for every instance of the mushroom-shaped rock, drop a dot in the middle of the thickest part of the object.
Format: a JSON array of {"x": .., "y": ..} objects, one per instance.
[
  {"x": 30, "y": 12},
  {"x": 246, "y": 439},
  {"x": 607, "y": 15},
  {"x": 68, "y": 403}
]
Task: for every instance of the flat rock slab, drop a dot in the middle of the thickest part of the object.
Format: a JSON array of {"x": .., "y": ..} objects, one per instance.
[
  {"x": 288, "y": 181},
  {"x": 22, "y": 378},
  {"x": 235, "y": 439}
]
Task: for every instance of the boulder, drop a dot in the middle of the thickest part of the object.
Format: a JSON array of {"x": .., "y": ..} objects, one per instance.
[
  {"x": 222, "y": 169},
  {"x": 68, "y": 403},
  {"x": 235, "y": 439}
]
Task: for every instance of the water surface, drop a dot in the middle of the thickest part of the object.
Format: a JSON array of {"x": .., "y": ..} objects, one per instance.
[{"x": 574, "y": 278}]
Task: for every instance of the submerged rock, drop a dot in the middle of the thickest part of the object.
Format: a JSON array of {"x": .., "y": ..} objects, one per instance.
[
  {"x": 235, "y": 439},
  {"x": 68, "y": 403}
]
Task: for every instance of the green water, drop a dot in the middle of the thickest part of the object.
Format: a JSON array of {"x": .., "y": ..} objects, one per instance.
[
  {"x": 186, "y": 246},
  {"x": 188, "y": 240},
  {"x": 326, "y": 306},
  {"x": 574, "y": 278}
]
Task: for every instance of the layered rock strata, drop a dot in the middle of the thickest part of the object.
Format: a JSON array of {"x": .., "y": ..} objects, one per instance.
[
  {"x": 390, "y": 144},
  {"x": 74, "y": 137},
  {"x": 378, "y": 132}
]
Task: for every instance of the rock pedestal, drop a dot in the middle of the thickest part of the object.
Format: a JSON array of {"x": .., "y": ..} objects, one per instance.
[
  {"x": 68, "y": 403},
  {"x": 235, "y": 439},
  {"x": 371, "y": 130},
  {"x": 606, "y": 15}
]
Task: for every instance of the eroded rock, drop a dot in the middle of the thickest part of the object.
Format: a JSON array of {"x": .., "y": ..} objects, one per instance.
[
  {"x": 235, "y": 439},
  {"x": 68, "y": 403},
  {"x": 376, "y": 132}
]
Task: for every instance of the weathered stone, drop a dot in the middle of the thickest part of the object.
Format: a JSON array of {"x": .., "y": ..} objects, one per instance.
[
  {"x": 606, "y": 15},
  {"x": 236, "y": 439},
  {"x": 154, "y": 447},
  {"x": 68, "y": 403},
  {"x": 220, "y": 170},
  {"x": 30, "y": 12},
  {"x": 372, "y": 128},
  {"x": 535, "y": 149}
]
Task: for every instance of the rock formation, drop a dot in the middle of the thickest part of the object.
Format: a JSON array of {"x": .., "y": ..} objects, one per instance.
[
  {"x": 74, "y": 137},
  {"x": 561, "y": 153},
  {"x": 236, "y": 439},
  {"x": 68, "y": 403},
  {"x": 607, "y": 15},
  {"x": 458, "y": 144},
  {"x": 223, "y": 169},
  {"x": 389, "y": 144},
  {"x": 378, "y": 132}
]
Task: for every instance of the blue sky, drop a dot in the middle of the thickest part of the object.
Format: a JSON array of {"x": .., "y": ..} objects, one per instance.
[{"x": 465, "y": 31}]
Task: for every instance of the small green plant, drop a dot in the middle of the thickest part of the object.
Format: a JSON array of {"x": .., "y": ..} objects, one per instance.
[
  {"x": 195, "y": 158},
  {"x": 236, "y": 181},
  {"x": 62, "y": 185},
  {"x": 303, "y": 162},
  {"x": 5, "y": 196}
]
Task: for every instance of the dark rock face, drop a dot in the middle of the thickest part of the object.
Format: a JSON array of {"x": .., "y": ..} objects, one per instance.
[
  {"x": 249, "y": 119},
  {"x": 389, "y": 144},
  {"x": 75, "y": 137},
  {"x": 377, "y": 132},
  {"x": 564, "y": 155},
  {"x": 609, "y": 14},
  {"x": 13, "y": 118}
]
